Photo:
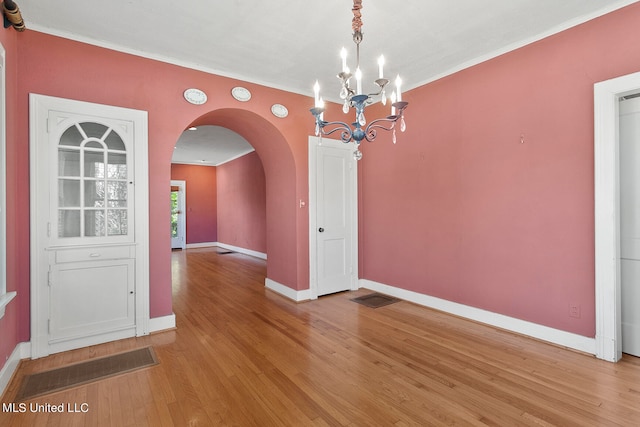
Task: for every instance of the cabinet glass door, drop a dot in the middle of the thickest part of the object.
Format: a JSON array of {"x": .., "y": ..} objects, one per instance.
[{"x": 93, "y": 184}]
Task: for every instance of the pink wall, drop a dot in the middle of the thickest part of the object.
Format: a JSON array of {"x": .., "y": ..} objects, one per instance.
[
  {"x": 57, "y": 67},
  {"x": 242, "y": 203},
  {"x": 458, "y": 209},
  {"x": 462, "y": 210},
  {"x": 10, "y": 323},
  {"x": 201, "y": 201}
]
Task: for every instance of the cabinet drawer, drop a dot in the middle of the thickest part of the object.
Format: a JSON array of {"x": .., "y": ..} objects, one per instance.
[{"x": 94, "y": 253}]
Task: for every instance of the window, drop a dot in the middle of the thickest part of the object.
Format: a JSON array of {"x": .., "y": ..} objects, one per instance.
[
  {"x": 92, "y": 182},
  {"x": 5, "y": 296}
]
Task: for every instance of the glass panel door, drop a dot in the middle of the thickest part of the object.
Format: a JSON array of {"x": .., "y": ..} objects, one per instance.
[
  {"x": 93, "y": 186},
  {"x": 174, "y": 212},
  {"x": 178, "y": 217}
]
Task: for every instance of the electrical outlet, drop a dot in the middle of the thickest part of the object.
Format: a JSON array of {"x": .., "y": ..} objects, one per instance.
[{"x": 574, "y": 310}]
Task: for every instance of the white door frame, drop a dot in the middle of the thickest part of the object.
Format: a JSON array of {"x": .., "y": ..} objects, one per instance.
[
  {"x": 39, "y": 110},
  {"x": 313, "y": 223},
  {"x": 607, "y": 213},
  {"x": 182, "y": 223}
]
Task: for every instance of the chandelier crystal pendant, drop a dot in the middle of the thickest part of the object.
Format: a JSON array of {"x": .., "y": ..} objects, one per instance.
[{"x": 355, "y": 98}]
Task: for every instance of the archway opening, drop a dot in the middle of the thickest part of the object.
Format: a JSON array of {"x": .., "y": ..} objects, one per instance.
[{"x": 273, "y": 152}]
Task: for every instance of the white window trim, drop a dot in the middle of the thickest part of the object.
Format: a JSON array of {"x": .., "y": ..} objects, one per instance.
[{"x": 5, "y": 296}]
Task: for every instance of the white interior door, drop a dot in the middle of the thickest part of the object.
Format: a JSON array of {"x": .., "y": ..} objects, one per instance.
[
  {"x": 630, "y": 223},
  {"x": 178, "y": 215},
  {"x": 333, "y": 217},
  {"x": 89, "y": 224}
]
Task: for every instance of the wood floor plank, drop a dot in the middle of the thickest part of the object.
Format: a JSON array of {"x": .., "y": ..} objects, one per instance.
[{"x": 242, "y": 355}]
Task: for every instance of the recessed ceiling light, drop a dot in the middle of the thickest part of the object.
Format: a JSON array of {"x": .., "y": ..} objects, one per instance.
[{"x": 193, "y": 128}]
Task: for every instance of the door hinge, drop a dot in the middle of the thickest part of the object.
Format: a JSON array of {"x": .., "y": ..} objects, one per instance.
[
  {"x": 49, "y": 277},
  {"x": 48, "y": 326},
  {"x": 48, "y": 229}
]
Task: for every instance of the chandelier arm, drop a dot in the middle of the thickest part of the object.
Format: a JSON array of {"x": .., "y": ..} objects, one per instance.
[
  {"x": 382, "y": 83},
  {"x": 370, "y": 133},
  {"x": 371, "y": 130},
  {"x": 346, "y": 134}
]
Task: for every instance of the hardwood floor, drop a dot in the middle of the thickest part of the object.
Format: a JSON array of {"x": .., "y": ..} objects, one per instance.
[{"x": 245, "y": 356}]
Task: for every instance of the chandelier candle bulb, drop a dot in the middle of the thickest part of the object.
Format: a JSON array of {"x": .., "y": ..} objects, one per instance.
[
  {"x": 393, "y": 101},
  {"x": 316, "y": 94},
  {"x": 380, "y": 65},
  {"x": 398, "y": 84},
  {"x": 343, "y": 55}
]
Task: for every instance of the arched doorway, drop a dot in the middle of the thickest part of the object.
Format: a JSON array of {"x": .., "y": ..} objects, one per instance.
[
  {"x": 279, "y": 166},
  {"x": 227, "y": 192}
]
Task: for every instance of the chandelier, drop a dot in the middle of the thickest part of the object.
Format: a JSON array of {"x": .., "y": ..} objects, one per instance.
[{"x": 355, "y": 98}]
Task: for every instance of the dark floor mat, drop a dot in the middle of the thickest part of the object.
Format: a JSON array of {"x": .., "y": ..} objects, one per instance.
[
  {"x": 375, "y": 300},
  {"x": 84, "y": 372}
]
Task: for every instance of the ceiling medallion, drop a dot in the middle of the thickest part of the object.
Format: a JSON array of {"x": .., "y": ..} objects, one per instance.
[
  {"x": 241, "y": 94},
  {"x": 279, "y": 110},
  {"x": 195, "y": 96},
  {"x": 357, "y": 99}
]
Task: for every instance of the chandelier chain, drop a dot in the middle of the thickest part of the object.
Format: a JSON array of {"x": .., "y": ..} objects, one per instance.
[{"x": 356, "y": 22}]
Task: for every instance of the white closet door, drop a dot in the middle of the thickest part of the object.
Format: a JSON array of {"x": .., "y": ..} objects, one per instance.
[{"x": 630, "y": 223}]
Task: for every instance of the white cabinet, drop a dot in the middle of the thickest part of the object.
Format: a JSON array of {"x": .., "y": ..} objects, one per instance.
[
  {"x": 89, "y": 224},
  {"x": 91, "y": 291}
]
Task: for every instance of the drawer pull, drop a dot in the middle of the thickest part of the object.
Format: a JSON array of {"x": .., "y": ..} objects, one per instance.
[{"x": 94, "y": 255}]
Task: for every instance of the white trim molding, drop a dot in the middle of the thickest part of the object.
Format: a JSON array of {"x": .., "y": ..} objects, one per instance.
[
  {"x": 22, "y": 351},
  {"x": 238, "y": 249},
  {"x": 286, "y": 291},
  {"x": 5, "y": 298},
  {"x": 607, "y": 213},
  {"x": 164, "y": 323},
  {"x": 201, "y": 245},
  {"x": 544, "y": 333}
]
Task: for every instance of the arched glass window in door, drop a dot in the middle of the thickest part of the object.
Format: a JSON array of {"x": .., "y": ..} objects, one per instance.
[{"x": 92, "y": 182}]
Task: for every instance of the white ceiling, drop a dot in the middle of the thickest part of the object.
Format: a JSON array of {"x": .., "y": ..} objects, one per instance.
[
  {"x": 289, "y": 44},
  {"x": 209, "y": 146}
]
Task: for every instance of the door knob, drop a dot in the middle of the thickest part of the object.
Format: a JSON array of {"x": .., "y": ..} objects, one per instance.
[{"x": 321, "y": 229}]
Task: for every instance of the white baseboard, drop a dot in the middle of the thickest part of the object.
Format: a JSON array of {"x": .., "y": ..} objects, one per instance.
[
  {"x": 22, "y": 351},
  {"x": 544, "y": 333},
  {"x": 201, "y": 245},
  {"x": 238, "y": 249},
  {"x": 158, "y": 324},
  {"x": 287, "y": 291},
  {"x": 243, "y": 250}
]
